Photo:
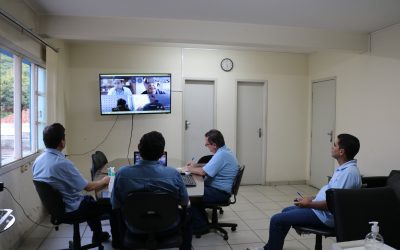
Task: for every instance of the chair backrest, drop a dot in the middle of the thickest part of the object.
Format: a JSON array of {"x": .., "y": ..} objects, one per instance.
[
  {"x": 151, "y": 212},
  {"x": 99, "y": 159},
  {"x": 354, "y": 208},
  {"x": 236, "y": 183},
  {"x": 51, "y": 199},
  {"x": 205, "y": 159},
  {"x": 393, "y": 181}
]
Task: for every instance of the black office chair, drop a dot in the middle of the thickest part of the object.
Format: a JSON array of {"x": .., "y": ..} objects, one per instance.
[
  {"x": 205, "y": 159},
  {"x": 99, "y": 159},
  {"x": 319, "y": 232},
  {"x": 354, "y": 208},
  {"x": 52, "y": 201},
  {"x": 219, "y": 226},
  {"x": 156, "y": 215}
]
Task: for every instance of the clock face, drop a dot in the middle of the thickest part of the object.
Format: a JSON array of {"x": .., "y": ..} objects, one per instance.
[{"x": 227, "y": 64}]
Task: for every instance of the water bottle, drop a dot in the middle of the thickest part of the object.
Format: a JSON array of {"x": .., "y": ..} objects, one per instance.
[
  {"x": 373, "y": 240},
  {"x": 111, "y": 173}
]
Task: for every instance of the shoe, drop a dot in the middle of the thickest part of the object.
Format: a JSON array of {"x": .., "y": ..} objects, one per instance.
[
  {"x": 255, "y": 248},
  {"x": 100, "y": 237}
]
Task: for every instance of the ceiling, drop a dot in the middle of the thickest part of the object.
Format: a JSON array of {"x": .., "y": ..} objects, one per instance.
[{"x": 362, "y": 16}]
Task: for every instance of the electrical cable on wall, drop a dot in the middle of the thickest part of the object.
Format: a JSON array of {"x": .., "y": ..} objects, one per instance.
[
  {"x": 23, "y": 210},
  {"x": 101, "y": 143},
  {"x": 130, "y": 141}
]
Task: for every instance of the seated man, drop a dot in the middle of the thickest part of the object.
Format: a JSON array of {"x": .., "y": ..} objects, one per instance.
[
  {"x": 53, "y": 168},
  {"x": 314, "y": 211},
  {"x": 121, "y": 105},
  {"x": 154, "y": 104},
  {"x": 220, "y": 173},
  {"x": 151, "y": 87},
  {"x": 119, "y": 88},
  {"x": 150, "y": 175}
]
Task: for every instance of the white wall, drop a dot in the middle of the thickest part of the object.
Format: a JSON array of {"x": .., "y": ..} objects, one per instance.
[
  {"x": 286, "y": 75},
  {"x": 368, "y": 87},
  {"x": 271, "y": 37}
]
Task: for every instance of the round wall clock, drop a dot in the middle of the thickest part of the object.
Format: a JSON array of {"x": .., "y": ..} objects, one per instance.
[{"x": 226, "y": 64}]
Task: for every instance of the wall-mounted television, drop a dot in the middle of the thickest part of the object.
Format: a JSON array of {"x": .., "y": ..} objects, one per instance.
[{"x": 136, "y": 93}]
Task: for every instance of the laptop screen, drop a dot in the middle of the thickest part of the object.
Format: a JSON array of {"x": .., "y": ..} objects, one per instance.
[{"x": 137, "y": 158}]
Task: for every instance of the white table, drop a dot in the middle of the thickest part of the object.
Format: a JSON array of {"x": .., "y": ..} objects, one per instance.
[
  {"x": 355, "y": 245},
  {"x": 193, "y": 192}
]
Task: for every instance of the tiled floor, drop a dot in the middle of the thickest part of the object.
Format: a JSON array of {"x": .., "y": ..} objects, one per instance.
[{"x": 255, "y": 205}]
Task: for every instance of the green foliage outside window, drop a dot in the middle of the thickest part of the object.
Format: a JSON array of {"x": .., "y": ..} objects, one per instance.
[{"x": 7, "y": 85}]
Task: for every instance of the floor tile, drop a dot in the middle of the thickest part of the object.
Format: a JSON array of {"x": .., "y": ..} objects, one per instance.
[
  {"x": 210, "y": 239},
  {"x": 255, "y": 214},
  {"x": 245, "y": 246},
  {"x": 252, "y": 211},
  {"x": 257, "y": 224},
  {"x": 243, "y": 207},
  {"x": 240, "y": 237},
  {"x": 225, "y": 247},
  {"x": 294, "y": 245}
]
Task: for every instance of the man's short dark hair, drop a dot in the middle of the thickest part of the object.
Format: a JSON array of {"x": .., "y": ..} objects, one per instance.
[
  {"x": 350, "y": 144},
  {"x": 151, "y": 146},
  {"x": 216, "y": 137},
  {"x": 53, "y": 135}
]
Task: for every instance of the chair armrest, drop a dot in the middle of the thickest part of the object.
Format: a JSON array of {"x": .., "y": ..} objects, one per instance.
[{"x": 373, "y": 181}]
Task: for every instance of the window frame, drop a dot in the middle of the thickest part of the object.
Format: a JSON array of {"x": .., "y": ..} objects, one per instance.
[{"x": 18, "y": 60}]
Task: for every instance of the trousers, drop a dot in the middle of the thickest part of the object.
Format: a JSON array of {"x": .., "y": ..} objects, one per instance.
[
  {"x": 199, "y": 214},
  {"x": 290, "y": 216}
]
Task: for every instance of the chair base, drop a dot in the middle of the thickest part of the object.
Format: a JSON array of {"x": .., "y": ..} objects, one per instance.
[
  {"x": 75, "y": 244},
  {"x": 216, "y": 226}
]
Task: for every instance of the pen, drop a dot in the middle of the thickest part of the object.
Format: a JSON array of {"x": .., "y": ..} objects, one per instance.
[{"x": 300, "y": 195}]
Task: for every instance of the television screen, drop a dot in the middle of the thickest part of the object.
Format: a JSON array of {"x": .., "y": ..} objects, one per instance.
[{"x": 135, "y": 93}]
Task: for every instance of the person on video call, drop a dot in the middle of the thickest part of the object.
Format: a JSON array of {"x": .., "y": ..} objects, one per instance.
[
  {"x": 154, "y": 104},
  {"x": 119, "y": 88},
  {"x": 313, "y": 211},
  {"x": 149, "y": 175},
  {"x": 53, "y": 168},
  {"x": 121, "y": 105},
  {"x": 151, "y": 87},
  {"x": 219, "y": 173}
]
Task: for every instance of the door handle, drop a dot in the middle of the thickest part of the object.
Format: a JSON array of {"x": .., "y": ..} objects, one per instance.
[
  {"x": 259, "y": 132},
  {"x": 187, "y": 123},
  {"x": 331, "y": 135}
]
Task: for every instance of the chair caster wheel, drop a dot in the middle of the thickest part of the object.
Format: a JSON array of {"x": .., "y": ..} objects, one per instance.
[
  {"x": 233, "y": 229},
  {"x": 225, "y": 237},
  {"x": 221, "y": 211}
]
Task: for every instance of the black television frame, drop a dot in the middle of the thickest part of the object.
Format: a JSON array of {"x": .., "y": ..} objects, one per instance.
[{"x": 130, "y": 75}]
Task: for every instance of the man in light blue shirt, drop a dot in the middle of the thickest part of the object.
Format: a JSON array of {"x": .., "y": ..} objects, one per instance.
[
  {"x": 53, "y": 168},
  {"x": 219, "y": 173},
  {"x": 314, "y": 212}
]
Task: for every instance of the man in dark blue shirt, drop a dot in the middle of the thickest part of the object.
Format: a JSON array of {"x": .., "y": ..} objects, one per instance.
[{"x": 150, "y": 175}]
